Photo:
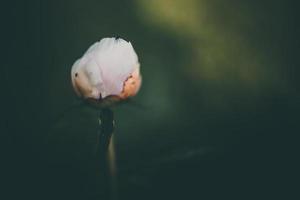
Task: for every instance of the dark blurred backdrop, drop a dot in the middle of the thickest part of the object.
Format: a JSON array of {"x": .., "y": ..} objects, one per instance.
[{"x": 216, "y": 116}]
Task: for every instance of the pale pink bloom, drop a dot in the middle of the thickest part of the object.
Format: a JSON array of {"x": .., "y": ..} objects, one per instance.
[{"x": 108, "y": 69}]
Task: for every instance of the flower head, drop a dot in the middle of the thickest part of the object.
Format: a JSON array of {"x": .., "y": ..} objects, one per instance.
[{"x": 109, "y": 69}]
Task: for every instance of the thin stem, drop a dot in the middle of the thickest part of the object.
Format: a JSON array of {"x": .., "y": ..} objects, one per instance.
[
  {"x": 106, "y": 128},
  {"x": 105, "y": 151}
]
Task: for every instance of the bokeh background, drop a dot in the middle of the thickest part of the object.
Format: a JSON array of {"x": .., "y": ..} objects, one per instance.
[{"x": 214, "y": 119}]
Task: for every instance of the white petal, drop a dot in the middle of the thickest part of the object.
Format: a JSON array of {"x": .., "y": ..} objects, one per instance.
[
  {"x": 108, "y": 63},
  {"x": 117, "y": 60}
]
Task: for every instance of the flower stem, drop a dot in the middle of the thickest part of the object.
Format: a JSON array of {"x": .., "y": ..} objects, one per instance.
[{"x": 106, "y": 152}]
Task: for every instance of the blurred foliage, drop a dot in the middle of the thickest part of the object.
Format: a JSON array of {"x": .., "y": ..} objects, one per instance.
[{"x": 219, "y": 39}]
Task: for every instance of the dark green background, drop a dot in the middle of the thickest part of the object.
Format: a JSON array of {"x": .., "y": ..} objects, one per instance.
[{"x": 215, "y": 117}]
